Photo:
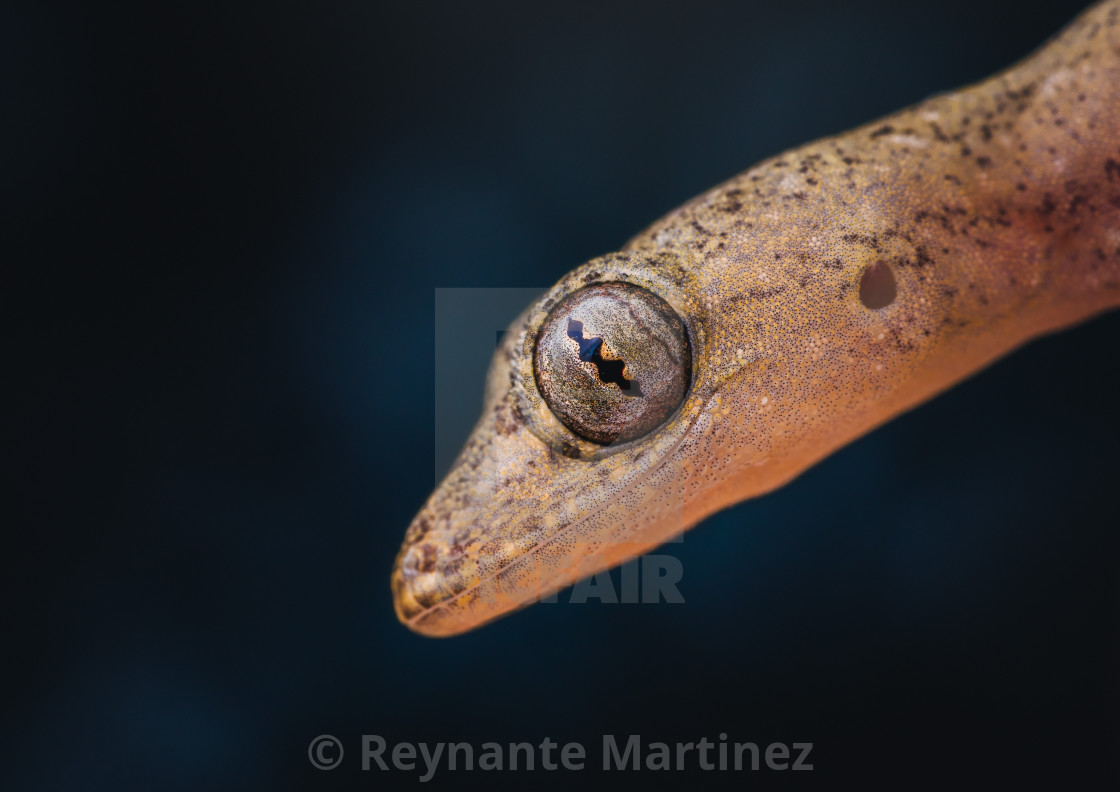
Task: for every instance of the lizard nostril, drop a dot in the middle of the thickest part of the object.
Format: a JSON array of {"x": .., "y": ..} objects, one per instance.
[
  {"x": 612, "y": 361},
  {"x": 877, "y": 288}
]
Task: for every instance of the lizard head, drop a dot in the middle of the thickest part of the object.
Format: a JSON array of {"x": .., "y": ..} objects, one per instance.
[
  {"x": 644, "y": 391},
  {"x": 725, "y": 350},
  {"x": 721, "y": 353},
  {"x": 593, "y": 389}
]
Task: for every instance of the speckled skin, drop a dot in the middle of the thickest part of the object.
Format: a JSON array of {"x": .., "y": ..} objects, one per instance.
[{"x": 997, "y": 209}]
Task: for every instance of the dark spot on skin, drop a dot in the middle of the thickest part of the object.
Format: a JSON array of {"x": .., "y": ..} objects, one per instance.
[
  {"x": 862, "y": 239},
  {"x": 953, "y": 179},
  {"x": 1047, "y": 206},
  {"x": 835, "y": 264},
  {"x": 427, "y": 560},
  {"x": 503, "y": 423},
  {"x": 886, "y": 129},
  {"x": 592, "y": 276},
  {"x": 570, "y": 450},
  {"x": 1111, "y": 168},
  {"x": 877, "y": 288},
  {"x": 761, "y": 294},
  {"x": 419, "y": 529},
  {"x": 983, "y": 161},
  {"x": 985, "y": 132},
  {"x": 1024, "y": 93}
]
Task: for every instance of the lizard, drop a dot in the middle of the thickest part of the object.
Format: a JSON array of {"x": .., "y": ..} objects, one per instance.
[{"x": 777, "y": 317}]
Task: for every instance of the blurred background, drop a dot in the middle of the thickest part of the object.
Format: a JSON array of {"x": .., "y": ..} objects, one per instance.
[{"x": 224, "y": 225}]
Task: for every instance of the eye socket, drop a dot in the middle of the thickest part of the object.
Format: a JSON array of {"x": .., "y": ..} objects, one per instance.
[{"x": 612, "y": 362}]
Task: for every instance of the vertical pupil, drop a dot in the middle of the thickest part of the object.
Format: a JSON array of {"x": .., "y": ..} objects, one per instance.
[
  {"x": 627, "y": 370},
  {"x": 609, "y": 370},
  {"x": 587, "y": 346}
]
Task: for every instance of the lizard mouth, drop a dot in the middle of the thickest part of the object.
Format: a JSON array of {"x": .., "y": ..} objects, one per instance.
[
  {"x": 514, "y": 522},
  {"x": 442, "y": 589}
]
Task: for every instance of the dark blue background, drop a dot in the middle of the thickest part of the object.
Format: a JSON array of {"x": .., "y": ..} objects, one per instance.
[{"x": 223, "y": 227}]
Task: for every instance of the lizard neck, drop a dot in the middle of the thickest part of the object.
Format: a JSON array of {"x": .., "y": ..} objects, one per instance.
[{"x": 1038, "y": 182}]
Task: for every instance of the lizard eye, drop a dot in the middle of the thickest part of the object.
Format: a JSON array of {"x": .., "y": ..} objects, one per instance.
[{"x": 612, "y": 361}]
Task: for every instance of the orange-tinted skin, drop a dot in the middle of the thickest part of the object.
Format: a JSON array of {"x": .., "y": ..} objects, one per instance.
[{"x": 996, "y": 208}]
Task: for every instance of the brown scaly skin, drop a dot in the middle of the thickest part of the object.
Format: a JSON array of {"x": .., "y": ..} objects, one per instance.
[{"x": 998, "y": 210}]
